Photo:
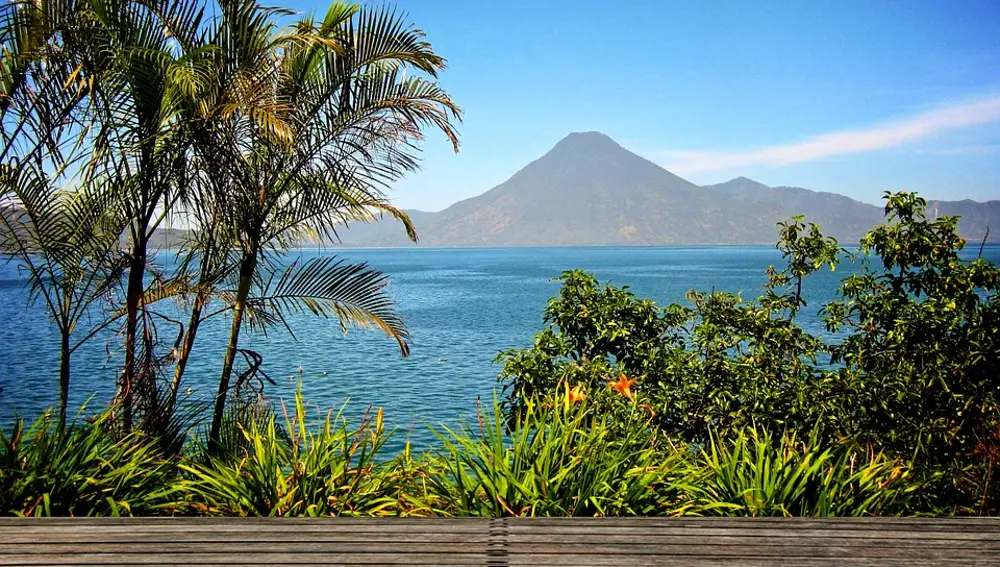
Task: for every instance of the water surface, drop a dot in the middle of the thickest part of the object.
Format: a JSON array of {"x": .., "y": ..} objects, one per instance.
[{"x": 462, "y": 307}]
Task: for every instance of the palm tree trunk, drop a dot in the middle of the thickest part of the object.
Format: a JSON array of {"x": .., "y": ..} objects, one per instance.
[
  {"x": 64, "y": 354},
  {"x": 247, "y": 269},
  {"x": 133, "y": 297},
  {"x": 185, "y": 353}
]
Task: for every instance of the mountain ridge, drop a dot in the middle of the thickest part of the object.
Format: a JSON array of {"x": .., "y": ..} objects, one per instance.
[{"x": 589, "y": 190}]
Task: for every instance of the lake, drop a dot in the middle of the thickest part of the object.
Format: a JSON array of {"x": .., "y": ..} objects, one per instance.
[{"x": 462, "y": 307}]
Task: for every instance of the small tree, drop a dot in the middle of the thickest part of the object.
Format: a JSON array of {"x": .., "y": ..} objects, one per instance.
[
  {"x": 922, "y": 360},
  {"x": 305, "y": 129},
  {"x": 722, "y": 363},
  {"x": 67, "y": 242},
  {"x": 59, "y": 229}
]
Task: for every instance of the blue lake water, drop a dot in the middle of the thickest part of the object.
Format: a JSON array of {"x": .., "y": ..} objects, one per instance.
[{"x": 462, "y": 307}]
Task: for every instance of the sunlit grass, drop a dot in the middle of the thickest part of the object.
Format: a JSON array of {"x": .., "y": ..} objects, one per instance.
[{"x": 566, "y": 455}]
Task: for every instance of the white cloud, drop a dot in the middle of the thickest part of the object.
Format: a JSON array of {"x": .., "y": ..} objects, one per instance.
[
  {"x": 883, "y": 136},
  {"x": 983, "y": 149}
]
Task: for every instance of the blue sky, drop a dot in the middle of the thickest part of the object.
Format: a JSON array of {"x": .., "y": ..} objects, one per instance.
[{"x": 854, "y": 97}]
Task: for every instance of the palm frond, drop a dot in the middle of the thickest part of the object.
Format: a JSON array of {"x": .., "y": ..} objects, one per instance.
[
  {"x": 65, "y": 239},
  {"x": 329, "y": 287}
]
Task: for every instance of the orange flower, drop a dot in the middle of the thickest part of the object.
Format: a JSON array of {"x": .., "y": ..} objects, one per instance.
[
  {"x": 624, "y": 386},
  {"x": 576, "y": 395}
]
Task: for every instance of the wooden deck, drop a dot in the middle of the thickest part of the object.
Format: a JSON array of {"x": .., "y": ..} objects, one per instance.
[{"x": 575, "y": 542}]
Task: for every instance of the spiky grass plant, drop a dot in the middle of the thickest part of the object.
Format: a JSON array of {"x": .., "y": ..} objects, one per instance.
[
  {"x": 758, "y": 474},
  {"x": 82, "y": 471},
  {"x": 567, "y": 455},
  {"x": 297, "y": 468},
  {"x": 560, "y": 458}
]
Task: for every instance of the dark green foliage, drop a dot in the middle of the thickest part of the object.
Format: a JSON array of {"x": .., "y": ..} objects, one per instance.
[
  {"x": 723, "y": 363},
  {"x": 921, "y": 369},
  {"x": 567, "y": 456},
  {"x": 913, "y": 372},
  {"x": 297, "y": 468},
  {"x": 594, "y": 333}
]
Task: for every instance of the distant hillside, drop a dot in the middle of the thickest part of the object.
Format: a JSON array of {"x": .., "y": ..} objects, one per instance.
[
  {"x": 588, "y": 190},
  {"x": 163, "y": 238},
  {"x": 840, "y": 216},
  {"x": 977, "y": 217},
  {"x": 387, "y": 232},
  {"x": 166, "y": 239}
]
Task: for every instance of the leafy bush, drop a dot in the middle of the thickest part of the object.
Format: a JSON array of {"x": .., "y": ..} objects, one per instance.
[
  {"x": 915, "y": 374},
  {"x": 82, "y": 471},
  {"x": 722, "y": 364},
  {"x": 921, "y": 365}
]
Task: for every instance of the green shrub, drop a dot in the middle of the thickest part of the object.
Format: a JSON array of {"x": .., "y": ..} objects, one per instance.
[
  {"x": 561, "y": 458},
  {"x": 756, "y": 474},
  {"x": 921, "y": 365},
  {"x": 575, "y": 452},
  {"x": 302, "y": 470},
  {"x": 83, "y": 471},
  {"x": 722, "y": 364},
  {"x": 914, "y": 370}
]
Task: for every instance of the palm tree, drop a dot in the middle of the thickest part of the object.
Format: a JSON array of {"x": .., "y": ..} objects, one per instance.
[
  {"x": 63, "y": 236},
  {"x": 203, "y": 274},
  {"x": 277, "y": 136},
  {"x": 67, "y": 241},
  {"x": 115, "y": 78},
  {"x": 308, "y": 127},
  {"x": 136, "y": 54}
]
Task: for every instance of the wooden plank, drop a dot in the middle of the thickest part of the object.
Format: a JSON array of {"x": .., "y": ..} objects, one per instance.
[
  {"x": 138, "y": 546},
  {"x": 527, "y": 526},
  {"x": 478, "y": 525},
  {"x": 707, "y": 549},
  {"x": 527, "y": 560},
  {"x": 761, "y": 549},
  {"x": 69, "y": 537},
  {"x": 229, "y": 536},
  {"x": 989, "y": 522},
  {"x": 857, "y": 523},
  {"x": 397, "y": 524},
  {"x": 159, "y": 558},
  {"x": 471, "y": 525},
  {"x": 676, "y": 561},
  {"x": 239, "y": 527},
  {"x": 578, "y": 542},
  {"x": 720, "y": 537},
  {"x": 777, "y": 540},
  {"x": 876, "y": 520},
  {"x": 775, "y": 533}
]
